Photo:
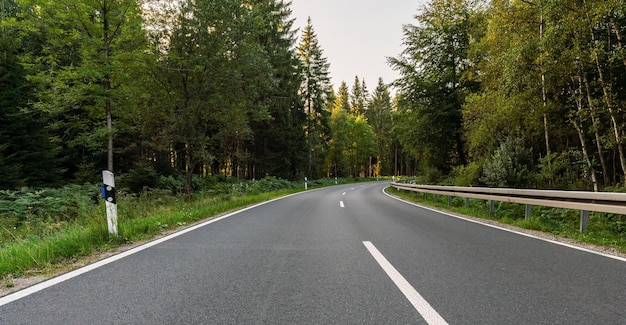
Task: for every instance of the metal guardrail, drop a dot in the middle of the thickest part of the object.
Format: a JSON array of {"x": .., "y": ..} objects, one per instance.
[{"x": 576, "y": 200}]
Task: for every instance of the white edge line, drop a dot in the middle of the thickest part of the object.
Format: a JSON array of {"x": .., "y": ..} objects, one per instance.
[
  {"x": 619, "y": 258},
  {"x": 72, "y": 274},
  {"x": 430, "y": 315}
]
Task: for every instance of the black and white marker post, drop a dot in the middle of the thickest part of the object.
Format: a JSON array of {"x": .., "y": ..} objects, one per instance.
[{"x": 108, "y": 193}]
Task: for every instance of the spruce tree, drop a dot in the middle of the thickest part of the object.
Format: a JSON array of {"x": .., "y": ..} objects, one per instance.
[
  {"x": 315, "y": 90},
  {"x": 358, "y": 97},
  {"x": 378, "y": 115},
  {"x": 342, "y": 99},
  {"x": 279, "y": 146}
]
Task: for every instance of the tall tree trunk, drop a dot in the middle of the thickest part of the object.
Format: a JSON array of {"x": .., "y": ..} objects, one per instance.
[
  {"x": 543, "y": 89},
  {"x": 395, "y": 161},
  {"x": 109, "y": 114},
  {"x": 107, "y": 85},
  {"x": 581, "y": 135},
  {"x": 620, "y": 40},
  {"x": 607, "y": 96},
  {"x": 596, "y": 130},
  {"x": 189, "y": 167},
  {"x": 583, "y": 146},
  {"x": 190, "y": 158}
]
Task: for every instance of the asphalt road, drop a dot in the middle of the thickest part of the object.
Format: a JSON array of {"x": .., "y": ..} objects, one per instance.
[{"x": 340, "y": 255}]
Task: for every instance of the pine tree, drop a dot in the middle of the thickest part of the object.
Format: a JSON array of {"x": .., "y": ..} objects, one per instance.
[
  {"x": 315, "y": 92},
  {"x": 378, "y": 115},
  {"x": 342, "y": 99},
  {"x": 279, "y": 145},
  {"x": 358, "y": 97}
]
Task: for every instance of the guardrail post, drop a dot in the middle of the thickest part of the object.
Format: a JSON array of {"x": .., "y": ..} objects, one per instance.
[
  {"x": 584, "y": 220},
  {"x": 528, "y": 211},
  {"x": 467, "y": 202},
  {"x": 436, "y": 198},
  {"x": 449, "y": 200},
  {"x": 491, "y": 207}
]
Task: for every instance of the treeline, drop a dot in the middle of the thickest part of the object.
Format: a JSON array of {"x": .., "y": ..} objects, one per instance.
[
  {"x": 158, "y": 88},
  {"x": 517, "y": 93}
]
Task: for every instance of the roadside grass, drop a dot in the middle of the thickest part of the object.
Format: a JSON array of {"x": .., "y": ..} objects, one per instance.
[
  {"x": 40, "y": 242},
  {"x": 137, "y": 222},
  {"x": 608, "y": 230}
]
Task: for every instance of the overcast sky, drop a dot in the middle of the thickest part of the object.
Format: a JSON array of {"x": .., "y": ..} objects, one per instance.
[{"x": 357, "y": 36}]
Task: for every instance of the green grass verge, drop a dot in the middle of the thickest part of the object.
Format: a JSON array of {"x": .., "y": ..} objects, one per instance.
[
  {"x": 40, "y": 255},
  {"x": 40, "y": 242},
  {"x": 604, "y": 229}
]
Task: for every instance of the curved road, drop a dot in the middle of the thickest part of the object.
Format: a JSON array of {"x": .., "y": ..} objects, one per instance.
[{"x": 344, "y": 254}]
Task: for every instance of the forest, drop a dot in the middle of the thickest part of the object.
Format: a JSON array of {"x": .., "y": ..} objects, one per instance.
[
  {"x": 501, "y": 93},
  {"x": 516, "y": 93}
]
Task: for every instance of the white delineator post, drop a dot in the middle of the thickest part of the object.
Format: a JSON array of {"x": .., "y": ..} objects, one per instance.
[
  {"x": 110, "y": 202},
  {"x": 305, "y": 183}
]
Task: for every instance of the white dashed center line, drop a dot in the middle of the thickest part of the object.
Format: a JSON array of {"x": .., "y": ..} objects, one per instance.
[
  {"x": 430, "y": 315},
  {"x": 341, "y": 204}
]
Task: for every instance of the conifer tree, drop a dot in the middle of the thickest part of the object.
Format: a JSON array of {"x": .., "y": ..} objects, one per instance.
[
  {"x": 342, "y": 99},
  {"x": 279, "y": 146},
  {"x": 378, "y": 115},
  {"x": 315, "y": 92},
  {"x": 358, "y": 97}
]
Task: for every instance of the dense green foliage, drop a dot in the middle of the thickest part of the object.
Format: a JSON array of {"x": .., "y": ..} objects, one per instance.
[
  {"x": 156, "y": 88},
  {"x": 432, "y": 84},
  {"x": 475, "y": 75},
  {"x": 206, "y": 88},
  {"x": 26, "y": 154}
]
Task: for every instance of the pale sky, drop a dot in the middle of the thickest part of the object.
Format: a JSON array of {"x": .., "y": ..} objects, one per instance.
[{"x": 357, "y": 36}]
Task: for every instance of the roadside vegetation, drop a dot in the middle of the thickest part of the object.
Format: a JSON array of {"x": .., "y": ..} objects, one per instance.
[
  {"x": 518, "y": 94},
  {"x": 604, "y": 229},
  {"x": 42, "y": 230}
]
